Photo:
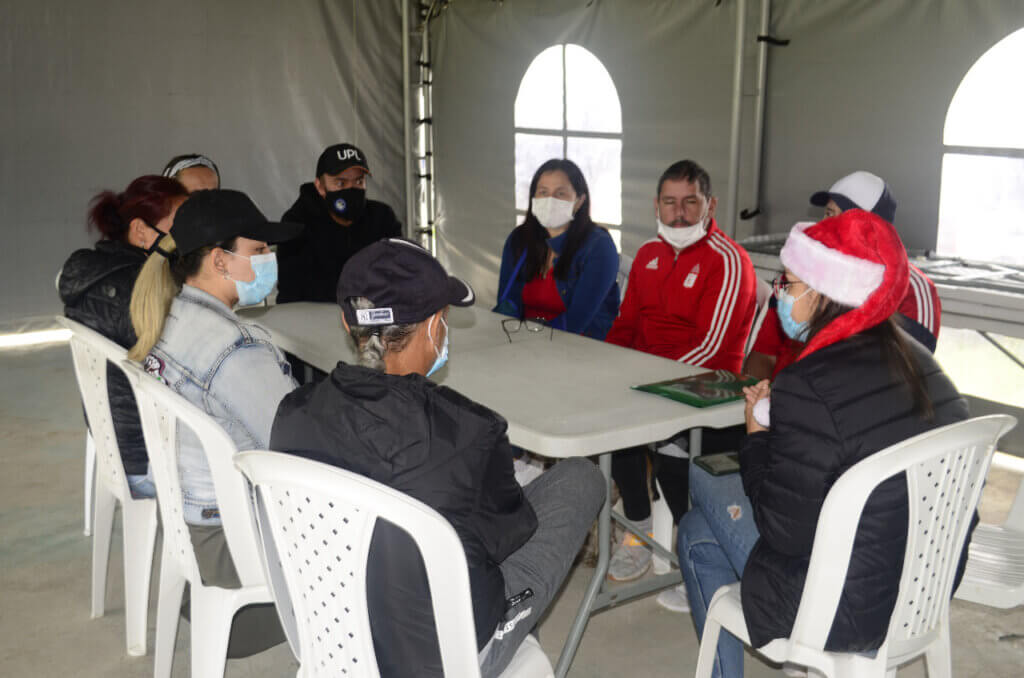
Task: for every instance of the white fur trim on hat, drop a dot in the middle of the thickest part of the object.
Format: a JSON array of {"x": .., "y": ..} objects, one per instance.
[{"x": 839, "y": 276}]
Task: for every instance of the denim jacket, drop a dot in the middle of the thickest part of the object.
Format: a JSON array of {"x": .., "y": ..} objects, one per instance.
[{"x": 228, "y": 368}]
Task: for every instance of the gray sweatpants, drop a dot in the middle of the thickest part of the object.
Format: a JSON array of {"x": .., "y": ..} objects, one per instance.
[{"x": 566, "y": 499}]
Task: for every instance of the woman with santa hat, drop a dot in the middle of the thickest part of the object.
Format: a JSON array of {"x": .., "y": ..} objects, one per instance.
[{"x": 859, "y": 385}]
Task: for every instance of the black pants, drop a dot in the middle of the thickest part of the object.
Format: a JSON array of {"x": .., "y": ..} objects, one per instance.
[
  {"x": 629, "y": 471},
  {"x": 299, "y": 369}
]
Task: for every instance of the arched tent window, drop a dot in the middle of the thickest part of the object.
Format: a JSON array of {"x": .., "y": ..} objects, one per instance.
[
  {"x": 567, "y": 107},
  {"x": 981, "y": 204}
]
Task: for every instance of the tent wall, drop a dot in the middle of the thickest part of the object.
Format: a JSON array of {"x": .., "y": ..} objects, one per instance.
[
  {"x": 93, "y": 94},
  {"x": 863, "y": 85}
]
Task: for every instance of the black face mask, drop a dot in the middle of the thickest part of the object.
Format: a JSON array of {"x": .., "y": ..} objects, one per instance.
[{"x": 348, "y": 203}]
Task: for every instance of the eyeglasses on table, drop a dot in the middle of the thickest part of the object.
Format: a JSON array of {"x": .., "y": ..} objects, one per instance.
[{"x": 511, "y": 325}]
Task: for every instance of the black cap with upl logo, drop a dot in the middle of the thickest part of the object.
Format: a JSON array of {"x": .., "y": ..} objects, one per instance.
[
  {"x": 210, "y": 217},
  {"x": 338, "y": 158},
  {"x": 405, "y": 283}
]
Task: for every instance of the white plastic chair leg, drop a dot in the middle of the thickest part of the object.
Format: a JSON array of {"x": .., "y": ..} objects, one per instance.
[
  {"x": 708, "y": 648},
  {"x": 90, "y": 481},
  {"x": 139, "y": 519},
  {"x": 661, "y": 522},
  {"x": 210, "y": 646},
  {"x": 168, "y": 610},
  {"x": 938, "y": 656},
  {"x": 102, "y": 526}
]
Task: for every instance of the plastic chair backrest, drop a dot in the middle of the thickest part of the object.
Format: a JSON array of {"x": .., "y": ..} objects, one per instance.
[
  {"x": 90, "y": 353},
  {"x": 622, "y": 277},
  {"x": 764, "y": 295},
  {"x": 162, "y": 411},
  {"x": 316, "y": 522},
  {"x": 945, "y": 470}
]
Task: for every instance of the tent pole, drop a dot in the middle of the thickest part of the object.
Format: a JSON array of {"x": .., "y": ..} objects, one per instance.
[
  {"x": 407, "y": 122},
  {"x": 762, "y": 82},
  {"x": 737, "y": 109}
]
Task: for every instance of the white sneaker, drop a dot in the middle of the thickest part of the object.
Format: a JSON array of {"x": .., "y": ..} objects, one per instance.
[
  {"x": 794, "y": 671},
  {"x": 631, "y": 560},
  {"x": 674, "y": 599}
]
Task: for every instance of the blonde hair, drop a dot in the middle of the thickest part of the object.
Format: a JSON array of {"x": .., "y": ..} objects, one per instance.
[{"x": 154, "y": 290}]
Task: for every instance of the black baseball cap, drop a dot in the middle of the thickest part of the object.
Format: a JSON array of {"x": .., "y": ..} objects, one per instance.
[
  {"x": 209, "y": 217},
  {"x": 405, "y": 283},
  {"x": 339, "y": 157}
]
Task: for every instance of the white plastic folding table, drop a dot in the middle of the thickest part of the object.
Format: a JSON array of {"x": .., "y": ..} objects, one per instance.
[{"x": 563, "y": 396}]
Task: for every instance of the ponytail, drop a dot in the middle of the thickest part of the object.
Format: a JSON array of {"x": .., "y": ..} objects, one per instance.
[
  {"x": 154, "y": 290},
  {"x": 150, "y": 198},
  {"x": 372, "y": 343},
  {"x": 160, "y": 280},
  {"x": 104, "y": 217}
]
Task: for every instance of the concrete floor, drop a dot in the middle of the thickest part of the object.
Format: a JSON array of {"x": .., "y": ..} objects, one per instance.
[{"x": 45, "y": 628}]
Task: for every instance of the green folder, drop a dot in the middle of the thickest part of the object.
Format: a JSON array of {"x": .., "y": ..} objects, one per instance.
[{"x": 702, "y": 390}]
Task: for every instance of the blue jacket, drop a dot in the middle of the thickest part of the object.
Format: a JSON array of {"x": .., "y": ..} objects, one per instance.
[{"x": 590, "y": 293}]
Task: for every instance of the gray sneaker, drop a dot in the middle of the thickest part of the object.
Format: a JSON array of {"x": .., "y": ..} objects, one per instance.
[{"x": 631, "y": 560}]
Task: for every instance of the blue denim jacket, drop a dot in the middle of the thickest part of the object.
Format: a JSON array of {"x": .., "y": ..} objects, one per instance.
[{"x": 228, "y": 368}]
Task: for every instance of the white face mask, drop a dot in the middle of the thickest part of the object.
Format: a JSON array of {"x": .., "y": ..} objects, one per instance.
[
  {"x": 551, "y": 212},
  {"x": 680, "y": 237}
]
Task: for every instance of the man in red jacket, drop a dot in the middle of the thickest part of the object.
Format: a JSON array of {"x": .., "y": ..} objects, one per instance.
[{"x": 690, "y": 297}]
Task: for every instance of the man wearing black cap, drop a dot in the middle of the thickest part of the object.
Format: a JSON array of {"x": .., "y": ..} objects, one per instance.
[
  {"x": 384, "y": 419},
  {"x": 339, "y": 222}
]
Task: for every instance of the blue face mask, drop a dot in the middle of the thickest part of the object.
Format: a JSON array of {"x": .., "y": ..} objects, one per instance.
[
  {"x": 793, "y": 329},
  {"x": 442, "y": 355},
  {"x": 257, "y": 289}
]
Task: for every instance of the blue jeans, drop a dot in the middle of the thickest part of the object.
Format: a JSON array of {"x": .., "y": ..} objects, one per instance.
[
  {"x": 141, "y": 486},
  {"x": 715, "y": 540}
]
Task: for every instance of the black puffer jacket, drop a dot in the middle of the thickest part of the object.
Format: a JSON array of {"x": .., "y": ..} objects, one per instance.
[
  {"x": 311, "y": 263},
  {"x": 830, "y": 410},
  {"x": 437, "y": 446},
  {"x": 96, "y": 288}
]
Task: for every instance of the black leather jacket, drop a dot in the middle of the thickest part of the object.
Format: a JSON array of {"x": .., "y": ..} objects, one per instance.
[
  {"x": 96, "y": 288},
  {"x": 829, "y": 411},
  {"x": 437, "y": 446}
]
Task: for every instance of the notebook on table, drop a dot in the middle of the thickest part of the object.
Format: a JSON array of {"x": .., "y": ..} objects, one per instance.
[{"x": 702, "y": 390}]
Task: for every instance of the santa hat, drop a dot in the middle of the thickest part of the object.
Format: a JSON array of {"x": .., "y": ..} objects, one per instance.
[{"x": 855, "y": 258}]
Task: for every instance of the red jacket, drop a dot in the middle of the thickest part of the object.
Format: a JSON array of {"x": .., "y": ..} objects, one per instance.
[
  {"x": 695, "y": 307},
  {"x": 922, "y": 303}
]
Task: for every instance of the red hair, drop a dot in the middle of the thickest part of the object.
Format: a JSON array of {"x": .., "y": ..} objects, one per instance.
[{"x": 150, "y": 198}]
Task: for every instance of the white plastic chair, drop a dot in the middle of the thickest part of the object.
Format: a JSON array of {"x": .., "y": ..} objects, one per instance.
[
  {"x": 212, "y": 608},
  {"x": 316, "y": 522},
  {"x": 995, "y": 563},
  {"x": 90, "y": 352},
  {"x": 764, "y": 295},
  {"x": 622, "y": 277},
  {"x": 945, "y": 470}
]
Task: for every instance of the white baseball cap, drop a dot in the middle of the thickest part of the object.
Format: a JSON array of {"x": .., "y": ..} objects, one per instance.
[{"x": 861, "y": 189}]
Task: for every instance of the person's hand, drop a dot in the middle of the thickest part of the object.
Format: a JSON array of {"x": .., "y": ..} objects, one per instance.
[{"x": 758, "y": 391}]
